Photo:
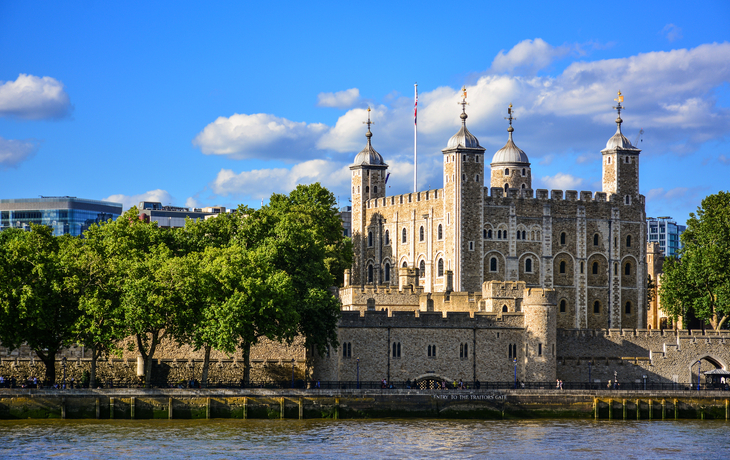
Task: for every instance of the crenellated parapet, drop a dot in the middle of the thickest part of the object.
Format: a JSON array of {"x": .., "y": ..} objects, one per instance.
[
  {"x": 430, "y": 320},
  {"x": 496, "y": 195}
]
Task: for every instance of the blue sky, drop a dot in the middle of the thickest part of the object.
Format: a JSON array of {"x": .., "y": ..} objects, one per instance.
[{"x": 224, "y": 103}]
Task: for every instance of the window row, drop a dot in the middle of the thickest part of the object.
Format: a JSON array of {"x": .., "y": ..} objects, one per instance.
[
  {"x": 507, "y": 172},
  {"x": 596, "y": 239},
  {"x": 596, "y": 307},
  {"x": 421, "y": 270}
]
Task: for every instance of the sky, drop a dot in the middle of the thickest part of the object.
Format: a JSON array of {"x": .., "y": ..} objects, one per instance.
[{"x": 221, "y": 103}]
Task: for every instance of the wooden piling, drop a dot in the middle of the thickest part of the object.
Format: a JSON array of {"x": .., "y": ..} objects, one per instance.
[
  {"x": 727, "y": 409},
  {"x": 245, "y": 408},
  {"x": 651, "y": 409},
  {"x": 207, "y": 408},
  {"x": 63, "y": 408},
  {"x": 595, "y": 408},
  {"x": 111, "y": 407},
  {"x": 281, "y": 408},
  {"x": 676, "y": 409},
  {"x": 664, "y": 409},
  {"x": 623, "y": 404},
  {"x": 98, "y": 409},
  {"x": 169, "y": 409},
  {"x": 131, "y": 406},
  {"x": 301, "y": 409},
  {"x": 337, "y": 409},
  {"x": 638, "y": 409},
  {"x": 610, "y": 409}
]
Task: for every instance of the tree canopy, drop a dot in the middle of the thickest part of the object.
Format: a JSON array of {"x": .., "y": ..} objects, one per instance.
[{"x": 697, "y": 282}]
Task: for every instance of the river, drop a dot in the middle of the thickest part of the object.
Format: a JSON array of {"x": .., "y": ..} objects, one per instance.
[{"x": 366, "y": 439}]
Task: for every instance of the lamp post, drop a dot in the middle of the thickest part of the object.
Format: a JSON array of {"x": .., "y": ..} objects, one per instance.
[
  {"x": 515, "y": 361},
  {"x": 358, "y": 373},
  {"x": 292, "y": 372},
  {"x": 63, "y": 364}
]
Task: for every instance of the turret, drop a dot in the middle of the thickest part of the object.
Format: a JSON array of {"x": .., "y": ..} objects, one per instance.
[
  {"x": 368, "y": 182},
  {"x": 621, "y": 163},
  {"x": 464, "y": 206},
  {"x": 510, "y": 165}
]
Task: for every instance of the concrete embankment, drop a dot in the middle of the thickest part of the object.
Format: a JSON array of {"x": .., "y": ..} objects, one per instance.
[{"x": 298, "y": 404}]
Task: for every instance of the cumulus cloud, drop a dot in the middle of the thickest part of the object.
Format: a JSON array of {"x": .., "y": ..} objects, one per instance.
[
  {"x": 261, "y": 183},
  {"x": 13, "y": 152},
  {"x": 34, "y": 98},
  {"x": 341, "y": 99},
  {"x": 672, "y": 32},
  {"x": 259, "y": 135},
  {"x": 528, "y": 57},
  {"x": 562, "y": 181},
  {"x": 128, "y": 201}
]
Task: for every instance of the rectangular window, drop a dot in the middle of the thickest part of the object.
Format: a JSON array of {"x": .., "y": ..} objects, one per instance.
[{"x": 539, "y": 349}]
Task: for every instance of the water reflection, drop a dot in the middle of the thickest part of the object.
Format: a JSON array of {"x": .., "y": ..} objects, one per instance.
[{"x": 224, "y": 439}]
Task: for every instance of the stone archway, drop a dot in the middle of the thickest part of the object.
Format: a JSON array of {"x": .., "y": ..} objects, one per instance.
[{"x": 430, "y": 381}]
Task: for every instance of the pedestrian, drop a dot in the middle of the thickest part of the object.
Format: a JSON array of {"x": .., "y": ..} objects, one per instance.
[
  {"x": 609, "y": 384},
  {"x": 557, "y": 384},
  {"x": 561, "y": 384},
  {"x": 477, "y": 384},
  {"x": 461, "y": 385}
]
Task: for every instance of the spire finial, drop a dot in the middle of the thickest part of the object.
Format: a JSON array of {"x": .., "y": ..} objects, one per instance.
[
  {"x": 369, "y": 134},
  {"x": 463, "y": 105},
  {"x": 510, "y": 112},
  {"x": 618, "y": 107}
]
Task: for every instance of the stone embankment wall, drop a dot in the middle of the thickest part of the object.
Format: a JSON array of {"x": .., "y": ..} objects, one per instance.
[
  {"x": 661, "y": 355},
  {"x": 275, "y": 404}
]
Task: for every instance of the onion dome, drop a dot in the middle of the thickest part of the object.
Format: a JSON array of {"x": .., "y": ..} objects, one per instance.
[
  {"x": 463, "y": 139},
  {"x": 510, "y": 153},
  {"x": 368, "y": 156}
]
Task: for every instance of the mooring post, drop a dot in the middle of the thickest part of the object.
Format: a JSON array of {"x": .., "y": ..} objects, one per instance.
[
  {"x": 337, "y": 408},
  {"x": 301, "y": 409},
  {"x": 623, "y": 404},
  {"x": 245, "y": 408},
  {"x": 63, "y": 408},
  {"x": 98, "y": 408},
  {"x": 595, "y": 408},
  {"x": 207, "y": 408},
  {"x": 111, "y": 407},
  {"x": 610, "y": 409},
  {"x": 131, "y": 407},
  {"x": 650, "y": 409},
  {"x": 676, "y": 409},
  {"x": 727, "y": 409},
  {"x": 638, "y": 409},
  {"x": 702, "y": 412},
  {"x": 169, "y": 409},
  {"x": 281, "y": 408},
  {"x": 664, "y": 409}
]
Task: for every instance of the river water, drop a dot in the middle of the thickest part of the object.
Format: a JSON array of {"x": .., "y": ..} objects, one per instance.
[{"x": 366, "y": 439}]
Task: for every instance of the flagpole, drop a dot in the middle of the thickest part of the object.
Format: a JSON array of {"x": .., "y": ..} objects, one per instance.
[{"x": 415, "y": 142}]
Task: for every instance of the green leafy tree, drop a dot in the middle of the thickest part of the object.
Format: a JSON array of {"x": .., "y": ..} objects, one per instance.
[
  {"x": 36, "y": 307},
  {"x": 697, "y": 283}
]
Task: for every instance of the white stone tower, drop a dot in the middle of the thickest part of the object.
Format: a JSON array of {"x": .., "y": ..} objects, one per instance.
[
  {"x": 464, "y": 206},
  {"x": 368, "y": 182},
  {"x": 621, "y": 163}
]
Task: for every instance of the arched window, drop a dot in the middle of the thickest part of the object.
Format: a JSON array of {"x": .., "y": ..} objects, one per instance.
[
  {"x": 506, "y": 187},
  {"x": 422, "y": 269},
  {"x": 375, "y": 188},
  {"x": 477, "y": 179},
  {"x": 370, "y": 273},
  {"x": 440, "y": 266},
  {"x": 499, "y": 234},
  {"x": 595, "y": 239},
  {"x": 608, "y": 160},
  {"x": 386, "y": 275},
  {"x": 484, "y": 233},
  {"x": 367, "y": 189},
  {"x": 627, "y": 269},
  {"x": 404, "y": 238},
  {"x": 524, "y": 171},
  {"x": 370, "y": 238},
  {"x": 405, "y": 264},
  {"x": 562, "y": 306},
  {"x": 440, "y": 232},
  {"x": 463, "y": 177},
  {"x": 421, "y": 234},
  {"x": 528, "y": 265},
  {"x": 489, "y": 234},
  {"x": 504, "y": 308},
  {"x": 493, "y": 264},
  {"x": 562, "y": 266},
  {"x": 523, "y": 234},
  {"x": 628, "y": 199},
  {"x": 518, "y": 235},
  {"x": 523, "y": 186},
  {"x": 595, "y": 268},
  {"x": 628, "y": 160},
  {"x": 581, "y": 268},
  {"x": 562, "y": 238},
  {"x": 628, "y": 241},
  {"x": 387, "y": 237},
  {"x": 396, "y": 349},
  {"x": 506, "y": 171},
  {"x": 597, "y": 307},
  {"x": 628, "y": 308}
]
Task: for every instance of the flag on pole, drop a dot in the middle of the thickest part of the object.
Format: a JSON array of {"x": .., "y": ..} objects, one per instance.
[{"x": 415, "y": 109}]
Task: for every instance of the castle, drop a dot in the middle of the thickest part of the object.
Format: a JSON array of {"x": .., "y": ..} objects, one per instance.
[{"x": 478, "y": 282}]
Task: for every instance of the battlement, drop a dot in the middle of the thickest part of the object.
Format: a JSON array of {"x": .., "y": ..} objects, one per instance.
[
  {"x": 405, "y": 199},
  {"x": 416, "y": 319},
  {"x": 693, "y": 334},
  {"x": 539, "y": 296},
  {"x": 498, "y": 193}
]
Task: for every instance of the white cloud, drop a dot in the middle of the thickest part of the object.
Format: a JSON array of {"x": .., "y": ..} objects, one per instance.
[
  {"x": 13, "y": 152},
  {"x": 261, "y": 183},
  {"x": 128, "y": 201},
  {"x": 259, "y": 135},
  {"x": 192, "y": 203},
  {"x": 562, "y": 181},
  {"x": 34, "y": 98},
  {"x": 672, "y": 32},
  {"x": 341, "y": 99},
  {"x": 528, "y": 57},
  {"x": 724, "y": 160}
]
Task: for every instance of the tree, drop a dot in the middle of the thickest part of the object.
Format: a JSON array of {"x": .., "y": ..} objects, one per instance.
[
  {"x": 36, "y": 307},
  {"x": 697, "y": 283}
]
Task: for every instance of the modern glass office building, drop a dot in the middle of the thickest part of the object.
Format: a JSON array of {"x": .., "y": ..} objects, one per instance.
[
  {"x": 64, "y": 214},
  {"x": 665, "y": 231}
]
